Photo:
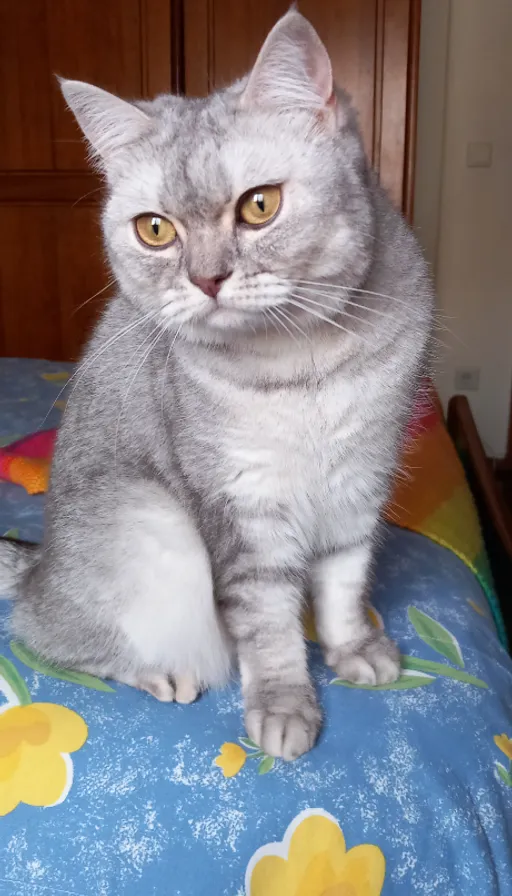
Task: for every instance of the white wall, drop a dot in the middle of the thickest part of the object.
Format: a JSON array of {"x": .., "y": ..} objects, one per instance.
[{"x": 463, "y": 215}]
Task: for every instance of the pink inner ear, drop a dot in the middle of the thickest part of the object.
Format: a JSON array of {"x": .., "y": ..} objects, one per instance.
[
  {"x": 318, "y": 66},
  {"x": 292, "y": 69}
]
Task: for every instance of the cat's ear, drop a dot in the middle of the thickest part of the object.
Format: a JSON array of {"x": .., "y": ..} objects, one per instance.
[
  {"x": 108, "y": 122},
  {"x": 293, "y": 69}
]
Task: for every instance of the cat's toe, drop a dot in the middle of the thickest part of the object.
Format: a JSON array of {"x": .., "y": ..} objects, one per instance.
[
  {"x": 158, "y": 686},
  {"x": 187, "y": 689},
  {"x": 376, "y": 661},
  {"x": 285, "y": 732}
]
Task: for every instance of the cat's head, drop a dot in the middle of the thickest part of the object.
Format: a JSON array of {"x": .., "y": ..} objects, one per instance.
[{"x": 222, "y": 210}]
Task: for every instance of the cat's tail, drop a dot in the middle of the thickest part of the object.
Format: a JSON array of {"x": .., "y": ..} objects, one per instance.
[{"x": 15, "y": 558}]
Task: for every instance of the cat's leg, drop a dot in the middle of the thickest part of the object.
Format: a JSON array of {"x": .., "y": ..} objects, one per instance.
[
  {"x": 262, "y": 600},
  {"x": 168, "y": 617},
  {"x": 129, "y": 596},
  {"x": 356, "y": 650}
]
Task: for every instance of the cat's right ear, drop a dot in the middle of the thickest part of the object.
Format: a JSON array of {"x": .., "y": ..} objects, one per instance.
[
  {"x": 292, "y": 71},
  {"x": 108, "y": 122}
]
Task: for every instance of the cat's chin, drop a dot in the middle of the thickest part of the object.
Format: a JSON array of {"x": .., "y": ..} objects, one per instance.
[{"x": 233, "y": 319}]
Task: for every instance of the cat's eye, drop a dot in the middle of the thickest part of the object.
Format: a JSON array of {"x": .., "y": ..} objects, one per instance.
[
  {"x": 155, "y": 231},
  {"x": 258, "y": 206}
]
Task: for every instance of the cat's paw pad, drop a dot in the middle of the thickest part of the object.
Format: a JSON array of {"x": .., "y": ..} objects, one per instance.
[
  {"x": 285, "y": 732},
  {"x": 375, "y": 661}
]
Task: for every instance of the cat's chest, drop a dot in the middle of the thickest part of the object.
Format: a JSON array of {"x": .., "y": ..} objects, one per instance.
[{"x": 285, "y": 444}]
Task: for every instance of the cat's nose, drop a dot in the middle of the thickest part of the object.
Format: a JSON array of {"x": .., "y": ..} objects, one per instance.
[{"x": 210, "y": 285}]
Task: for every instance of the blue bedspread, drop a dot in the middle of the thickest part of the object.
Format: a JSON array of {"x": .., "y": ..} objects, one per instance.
[{"x": 409, "y": 790}]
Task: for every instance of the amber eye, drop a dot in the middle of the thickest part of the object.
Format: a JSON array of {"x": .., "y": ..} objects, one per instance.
[
  {"x": 260, "y": 205},
  {"x": 155, "y": 231}
]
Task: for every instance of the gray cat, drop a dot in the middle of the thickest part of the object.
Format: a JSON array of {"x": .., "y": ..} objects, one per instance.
[{"x": 232, "y": 432}]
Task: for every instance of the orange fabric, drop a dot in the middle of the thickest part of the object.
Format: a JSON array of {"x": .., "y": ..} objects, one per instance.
[{"x": 32, "y": 473}]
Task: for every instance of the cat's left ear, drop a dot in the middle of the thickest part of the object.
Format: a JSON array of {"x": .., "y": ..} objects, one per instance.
[
  {"x": 108, "y": 122},
  {"x": 293, "y": 70}
]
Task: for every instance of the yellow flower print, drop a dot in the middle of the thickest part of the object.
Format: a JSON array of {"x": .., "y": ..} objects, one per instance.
[
  {"x": 375, "y": 618},
  {"x": 231, "y": 759},
  {"x": 313, "y": 860},
  {"x": 34, "y": 741},
  {"x": 504, "y": 743}
]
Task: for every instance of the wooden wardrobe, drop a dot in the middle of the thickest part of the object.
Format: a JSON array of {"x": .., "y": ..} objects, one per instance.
[{"x": 53, "y": 280}]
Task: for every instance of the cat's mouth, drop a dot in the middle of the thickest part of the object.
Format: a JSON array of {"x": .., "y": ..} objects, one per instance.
[{"x": 231, "y": 317}]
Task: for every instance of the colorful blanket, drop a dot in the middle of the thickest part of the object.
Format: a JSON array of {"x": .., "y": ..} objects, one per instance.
[
  {"x": 430, "y": 496},
  {"x": 104, "y": 791}
]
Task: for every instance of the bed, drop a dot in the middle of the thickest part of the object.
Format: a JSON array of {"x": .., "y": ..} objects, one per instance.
[{"x": 105, "y": 791}]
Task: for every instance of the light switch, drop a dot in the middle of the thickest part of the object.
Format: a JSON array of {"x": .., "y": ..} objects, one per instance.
[
  {"x": 467, "y": 379},
  {"x": 479, "y": 155}
]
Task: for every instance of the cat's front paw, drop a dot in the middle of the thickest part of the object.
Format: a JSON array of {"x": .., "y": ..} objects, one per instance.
[
  {"x": 374, "y": 661},
  {"x": 284, "y": 725}
]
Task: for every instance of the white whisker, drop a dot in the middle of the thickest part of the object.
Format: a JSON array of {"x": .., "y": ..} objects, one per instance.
[
  {"x": 291, "y": 318},
  {"x": 350, "y": 302},
  {"x": 280, "y": 310},
  {"x": 81, "y": 369},
  {"x": 266, "y": 312},
  {"x": 153, "y": 342},
  {"x": 96, "y": 294},
  {"x": 368, "y": 292},
  {"x": 164, "y": 377},
  {"x": 327, "y": 320},
  {"x": 273, "y": 312}
]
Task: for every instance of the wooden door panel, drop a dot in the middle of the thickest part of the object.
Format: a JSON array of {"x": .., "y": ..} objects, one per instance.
[
  {"x": 25, "y": 103},
  {"x": 52, "y": 263},
  {"x": 84, "y": 286},
  {"x": 28, "y": 286},
  {"x": 96, "y": 42},
  {"x": 51, "y": 258}
]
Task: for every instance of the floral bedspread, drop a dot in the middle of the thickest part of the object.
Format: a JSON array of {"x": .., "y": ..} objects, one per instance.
[{"x": 105, "y": 791}]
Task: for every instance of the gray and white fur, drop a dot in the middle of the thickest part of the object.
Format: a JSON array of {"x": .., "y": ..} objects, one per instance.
[{"x": 221, "y": 458}]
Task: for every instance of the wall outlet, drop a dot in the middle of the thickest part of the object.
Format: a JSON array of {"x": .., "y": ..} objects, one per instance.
[{"x": 467, "y": 379}]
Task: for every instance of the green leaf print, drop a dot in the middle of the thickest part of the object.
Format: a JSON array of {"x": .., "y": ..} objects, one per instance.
[
  {"x": 436, "y": 636},
  {"x": 417, "y": 664},
  {"x": 12, "y": 677},
  {"x": 403, "y": 683},
  {"x": 247, "y": 742},
  {"x": 505, "y": 776},
  {"x": 39, "y": 665},
  {"x": 266, "y": 765},
  {"x": 12, "y": 533}
]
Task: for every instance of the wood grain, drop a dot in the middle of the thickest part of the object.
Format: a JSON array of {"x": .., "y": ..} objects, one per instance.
[
  {"x": 83, "y": 286},
  {"x": 462, "y": 428},
  {"x": 52, "y": 260},
  {"x": 156, "y": 44},
  {"x": 395, "y": 61},
  {"x": 411, "y": 115},
  {"x": 25, "y": 103},
  {"x": 96, "y": 42},
  {"x": 29, "y": 300},
  {"x": 68, "y": 188}
]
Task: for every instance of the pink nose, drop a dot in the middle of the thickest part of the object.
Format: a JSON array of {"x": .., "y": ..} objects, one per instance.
[{"x": 210, "y": 285}]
